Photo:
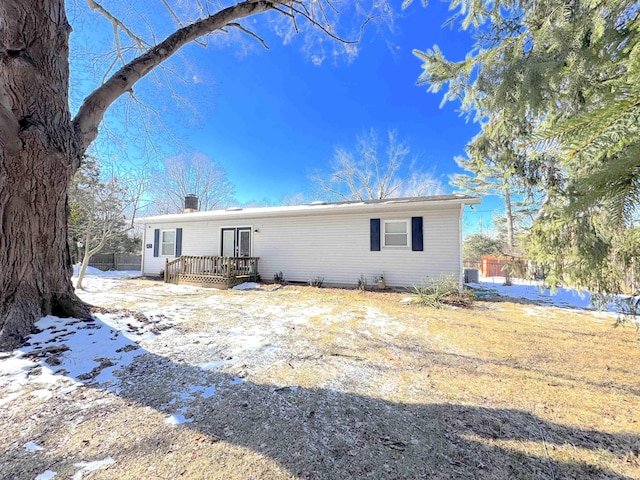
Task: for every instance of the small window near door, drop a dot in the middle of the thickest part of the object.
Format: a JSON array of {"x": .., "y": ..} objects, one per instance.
[
  {"x": 396, "y": 233},
  {"x": 168, "y": 243}
]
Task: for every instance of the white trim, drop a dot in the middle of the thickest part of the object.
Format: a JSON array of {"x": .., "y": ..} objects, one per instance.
[
  {"x": 398, "y": 206},
  {"x": 406, "y": 233},
  {"x": 144, "y": 250}
]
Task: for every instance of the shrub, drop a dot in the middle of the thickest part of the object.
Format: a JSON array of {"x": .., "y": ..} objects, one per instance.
[
  {"x": 438, "y": 292},
  {"x": 362, "y": 283},
  {"x": 317, "y": 282},
  {"x": 380, "y": 281},
  {"x": 278, "y": 277}
]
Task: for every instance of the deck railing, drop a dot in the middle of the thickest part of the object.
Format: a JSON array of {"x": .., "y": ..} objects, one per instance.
[{"x": 210, "y": 269}]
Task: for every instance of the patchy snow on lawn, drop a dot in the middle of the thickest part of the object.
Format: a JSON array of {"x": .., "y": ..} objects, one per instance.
[
  {"x": 96, "y": 272},
  {"x": 531, "y": 290},
  {"x": 97, "y": 286},
  {"x": 46, "y": 475},
  {"x": 177, "y": 419},
  {"x": 32, "y": 447},
  {"x": 84, "y": 351},
  {"x": 88, "y": 467},
  {"x": 247, "y": 286}
]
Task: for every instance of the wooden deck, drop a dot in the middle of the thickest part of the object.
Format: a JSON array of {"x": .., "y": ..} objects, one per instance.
[{"x": 211, "y": 271}]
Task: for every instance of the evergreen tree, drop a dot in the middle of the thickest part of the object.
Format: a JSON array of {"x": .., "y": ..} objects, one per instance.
[
  {"x": 572, "y": 69},
  {"x": 492, "y": 159},
  {"x": 477, "y": 245}
]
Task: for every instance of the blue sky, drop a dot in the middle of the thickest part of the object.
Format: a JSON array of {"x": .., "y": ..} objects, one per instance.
[{"x": 272, "y": 117}]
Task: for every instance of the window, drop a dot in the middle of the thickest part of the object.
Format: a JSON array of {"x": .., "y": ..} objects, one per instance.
[
  {"x": 396, "y": 233},
  {"x": 168, "y": 245}
]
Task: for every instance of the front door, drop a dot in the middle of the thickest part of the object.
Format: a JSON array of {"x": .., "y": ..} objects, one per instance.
[{"x": 236, "y": 242}]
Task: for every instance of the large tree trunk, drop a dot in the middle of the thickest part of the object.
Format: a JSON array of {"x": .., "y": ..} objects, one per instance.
[
  {"x": 41, "y": 148},
  {"x": 38, "y": 157}
]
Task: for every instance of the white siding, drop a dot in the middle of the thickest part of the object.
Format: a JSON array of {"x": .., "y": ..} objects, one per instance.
[{"x": 335, "y": 247}]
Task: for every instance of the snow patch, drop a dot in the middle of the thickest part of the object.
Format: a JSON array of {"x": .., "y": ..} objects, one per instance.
[
  {"x": 46, "y": 475},
  {"x": 32, "y": 447},
  {"x": 177, "y": 419},
  {"x": 209, "y": 392},
  {"x": 96, "y": 272},
  {"x": 247, "y": 286},
  {"x": 531, "y": 290},
  {"x": 42, "y": 393},
  {"x": 9, "y": 398},
  {"x": 88, "y": 467},
  {"x": 70, "y": 351},
  {"x": 215, "y": 365}
]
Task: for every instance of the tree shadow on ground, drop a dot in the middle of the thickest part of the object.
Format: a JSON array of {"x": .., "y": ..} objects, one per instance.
[
  {"x": 470, "y": 364},
  {"x": 320, "y": 433}
]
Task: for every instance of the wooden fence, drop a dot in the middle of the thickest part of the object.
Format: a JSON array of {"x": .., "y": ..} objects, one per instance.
[
  {"x": 503, "y": 267},
  {"x": 116, "y": 261}
]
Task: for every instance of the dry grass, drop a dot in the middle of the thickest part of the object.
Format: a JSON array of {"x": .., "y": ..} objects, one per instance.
[{"x": 386, "y": 390}]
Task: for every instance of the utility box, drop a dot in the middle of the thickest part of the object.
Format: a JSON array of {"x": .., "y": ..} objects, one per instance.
[{"x": 471, "y": 275}]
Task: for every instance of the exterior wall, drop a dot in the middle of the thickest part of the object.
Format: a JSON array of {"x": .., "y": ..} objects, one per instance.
[{"x": 335, "y": 247}]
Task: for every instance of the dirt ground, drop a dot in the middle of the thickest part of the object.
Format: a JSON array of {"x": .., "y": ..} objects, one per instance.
[{"x": 307, "y": 383}]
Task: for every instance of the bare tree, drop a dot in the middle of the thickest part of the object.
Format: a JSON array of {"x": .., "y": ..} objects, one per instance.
[
  {"x": 373, "y": 172},
  {"x": 42, "y": 145},
  {"x": 196, "y": 174},
  {"x": 102, "y": 210},
  {"x": 291, "y": 199},
  {"x": 421, "y": 184}
]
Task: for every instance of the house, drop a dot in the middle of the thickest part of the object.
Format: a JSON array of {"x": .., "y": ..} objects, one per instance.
[{"x": 404, "y": 240}]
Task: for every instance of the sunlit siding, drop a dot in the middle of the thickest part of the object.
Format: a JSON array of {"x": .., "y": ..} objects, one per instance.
[{"x": 332, "y": 246}]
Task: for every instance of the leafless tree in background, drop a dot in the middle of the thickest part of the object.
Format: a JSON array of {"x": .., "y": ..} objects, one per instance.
[
  {"x": 291, "y": 199},
  {"x": 195, "y": 174},
  {"x": 373, "y": 171}
]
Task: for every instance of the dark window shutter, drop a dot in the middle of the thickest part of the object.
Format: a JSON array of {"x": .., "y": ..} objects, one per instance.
[
  {"x": 156, "y": 242},
  {"x": 416, "y": 234},
  {"x": 178, "y": 242},
  {"x": 375, "y": 234}
]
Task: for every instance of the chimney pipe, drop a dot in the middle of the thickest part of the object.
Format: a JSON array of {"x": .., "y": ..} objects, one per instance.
[{"x": 190, "y": 203}]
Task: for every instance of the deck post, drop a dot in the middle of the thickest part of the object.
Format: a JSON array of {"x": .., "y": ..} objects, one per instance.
[{"x": 166, "y": 270}]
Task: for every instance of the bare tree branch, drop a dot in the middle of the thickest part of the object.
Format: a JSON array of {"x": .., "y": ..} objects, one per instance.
[
  {"x": 93, "y": 108},
  {"x": 249, "y": 32},
  {"x": 117, "y": 24},
  {"x": 326, "y": 29}
]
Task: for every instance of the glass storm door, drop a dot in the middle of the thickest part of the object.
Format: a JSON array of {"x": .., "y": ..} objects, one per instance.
[
  {"x": 244, "y": 242},
  {"x": 228, "y": 242},
  {"x": 236, "y": 242}
]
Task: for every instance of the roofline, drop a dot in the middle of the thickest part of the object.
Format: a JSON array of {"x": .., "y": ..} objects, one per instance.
[{"x": 316, "y": 208}]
